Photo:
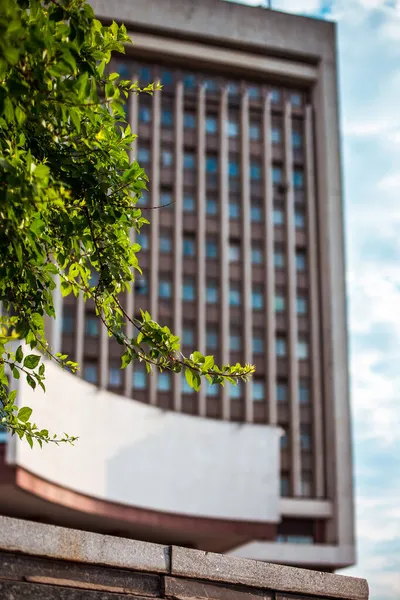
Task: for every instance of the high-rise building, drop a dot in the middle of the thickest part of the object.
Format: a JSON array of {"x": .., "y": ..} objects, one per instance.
[{"x": 244, "y": 261}]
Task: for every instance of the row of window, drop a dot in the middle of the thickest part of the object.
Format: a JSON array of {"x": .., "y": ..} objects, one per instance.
[
  {"x": 232, "y": 127},
  {"x": 234, "y": 167},
  {"x": 305, "y": 438},
  {"x": 164, "y": 384},
  {"x": 190, "y": 81},
  {"x": 306, "y": 485}
]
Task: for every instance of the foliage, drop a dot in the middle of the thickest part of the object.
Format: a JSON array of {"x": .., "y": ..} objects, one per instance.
[{"x": 68, "y": 195}]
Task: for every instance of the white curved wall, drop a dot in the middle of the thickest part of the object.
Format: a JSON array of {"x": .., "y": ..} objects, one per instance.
[{"x": 139, "y": 455}]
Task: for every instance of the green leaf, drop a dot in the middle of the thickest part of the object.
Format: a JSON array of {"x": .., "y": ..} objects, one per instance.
[
  {"x": 31, "y": 381},
  {"x": 19, "y": 355},
  {"x": 24, "y": 414},
  {"x": 29, "y": 439},
  {"x": 189, "y": 377},
  {"x": 31, "y": 361}
]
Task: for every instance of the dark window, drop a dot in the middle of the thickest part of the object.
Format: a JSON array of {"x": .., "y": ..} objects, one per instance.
[
  {"x": 235, "y": 295},
  {"x": 167, "y": 158},
  {"x": 144, "y": 114},
  {"x": 211, "y": 207},
  {"x": 285, "y": 487},
  {"x": 257, "y": 255},
  {"x": 165, "y": 242},
  {"x": 255, "y": 131},
  {"x": 167, "y": 78},
  {"x": 257, "y": 297},
  {"x": 145, "y": 75},
  {"x": 276, "y": 135},
  {"x": 92, "y": 326},
  {"x": 188, "y": 336},
  {"x": 211, "y": 164},
  {"x": 255, "y": 170},
  {"x": 188, "y": 289},
  {"x": 281, "y": 349},
  {"x": 189, "y": 160},
  {"x": 278, "y": 216},
  {"x": 165, "y": 288},
  {"x": 258, "y": 391},
  {"x": 297, "y": 139},
  {"x": 299, "y": 219},
  {"x": 167, "y": 118},
  {"x": 305, "y": 437},
  {"x": 211, "y": 292},
  {"x": 304, "y": 392},
  {"x": 141, "y": 285},
  {"x": 282, "y": 392},
  {"x": 298, "y": 179},
  {"x": 284, "y": 440},
  {"x": 258, "y": 343},
  {"x": 256, "y": 212},
  {"x": 189, "y": 120},
  {"x": 188, "y": 203},
  {"x": 90, "y": 373},
  {"x": 189, "y": 246},
  {"x": 277, "y": 175},
  {"x": 301, "y": 262},
  {"x": 235, "y": 340},
  {"x": 234, "y": 209},
  {"x": 189, "y": 81},
  {"x": 68, "y": 323},
  {"x": 211, "y": 339},
  {"x": 211, "y": 249}
]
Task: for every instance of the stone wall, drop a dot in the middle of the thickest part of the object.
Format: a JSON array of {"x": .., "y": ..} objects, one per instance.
[{"x": 42, "y": 562}]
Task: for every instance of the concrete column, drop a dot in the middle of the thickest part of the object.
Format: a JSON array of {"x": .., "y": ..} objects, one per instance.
[
  {"x": 224, "y": 245},
  {"x": 79, "y": 332},
  {"x": 201, "y": 237},
  {"x": 104, "y": 341},
  {"x": 178, "y": 197},
  {"x": 314, "y": 312},
  {"x": 133, "y": 120},
  {"x": 155, "y": 226},
  {"x": 56, "y": 324},
  {"x": 246, "y": 252},
  {"x": 270, "y": 353},
  {"x": 291, "y": 311}
]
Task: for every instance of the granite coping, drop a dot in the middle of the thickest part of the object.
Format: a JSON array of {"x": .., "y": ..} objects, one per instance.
[
  {"x": 81, "y": 546},
  {"x": 218, "y": 567},
  {"x": 49, "y": 541}
]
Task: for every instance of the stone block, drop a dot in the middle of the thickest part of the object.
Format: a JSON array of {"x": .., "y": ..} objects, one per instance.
[
  {"x": 185, "y": 589},
  {"x": 15, "y": 590}
]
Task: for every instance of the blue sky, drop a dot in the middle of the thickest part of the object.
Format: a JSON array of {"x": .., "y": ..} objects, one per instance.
[{"x": 369, "y": 63}]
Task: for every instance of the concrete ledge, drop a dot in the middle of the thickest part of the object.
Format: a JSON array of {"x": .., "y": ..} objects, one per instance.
[
  {"x": 81, "y": 546},
  {"x": 206, "y": 565}
]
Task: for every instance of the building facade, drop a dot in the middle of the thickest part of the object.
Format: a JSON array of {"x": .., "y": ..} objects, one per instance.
[{"x": 244, "y": 260}]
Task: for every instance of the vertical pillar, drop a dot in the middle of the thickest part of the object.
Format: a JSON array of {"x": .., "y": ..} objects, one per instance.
[
  {"x": 246, "y": 255},
  {"x": 270, "y": 352},
  {"x": 291, "y": 310},
  {"x": 201, "y": 237},
  {"x": 79, "y": 332},
  {"x": 178, "y": 226}
]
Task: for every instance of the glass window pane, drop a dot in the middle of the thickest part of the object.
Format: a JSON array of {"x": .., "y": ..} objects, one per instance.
[
  {"x": 144, "y": 75},
  {"x": 167, "y": 78},
  {"x": 255, "y": 171},
  {"x": 164, "y": 382},
  {"x": 165, "y": 289},
  {"x": 258, "y": 343},
  {"x": 300, "y": 261},
  {"x": 211, "y": 164},
  {"x": 255, "y": 131},
  {"x": 139, "y": 379},
  {"x": 167, "y": 158},
  {"x": 189, "y": 81},
  {"x": 278, "y": 216},
  {"x": 143, "y": 240},
  {"x": 188, "y": 203},
  {"x": 212, "y": 292},
  {"x": 234, "y": 210},
  {"x": 188, "y": 290},
  {"x": 167, "y": 118},
  {"x": 235, "y": 391},
  {"x": 115, "y": 377},
  {"x": 144, "y": 199},
  {"x": 279, "y": 260},
  {"x": 189, "y": 120},
  {"x": 165, "y": 243},
  {"x": 188, "y": 160},
  {"x": 211, "y": 207},
  {"x": 275, "y": 96},
  {"x": 257, "y": 255},
  {"x": 233, "y": 89},
  {"x": 166, "y": 198},
  {"x": 234, "y": 252},
  {"x": 189, "y": 247},
  {"x": 211, "y": 249},
  {"x": 280, "y": 303},
  {"x": 284, "y": 485},
  {"x": 141, "y": 285},
  {"x": 144, "y": 114},
  {"x": 92, "y": 326},
  {"x": 258, "y": 391},
  {"x": 281, "y": 347},
  {"x": 302, "y": 350},
  {"x": 301, "y": 305},
  {"x": 233, "y": 168},
  {"x": 143, "y": 155},
  {"x": 210, "y": 85},
  {"x": 90, "y": 373},
  {"x": 254, "y": 92},
  {"x": 282, "y": 392},
  {"x": 305, "y": 437},
  {"x": 276, "y": 135},
  {"x": 232, "y": 128},
  {"x": 298, "y": 179},
  {"x": 211, "y": 339},
  {"x": 188, "y": 336},
  {"x": 235, "y": 297},
  {"x": 299, "y": 219},
  {"x": 304, "y": 393},
  {"x": 213, "y": 390},
  {"x": 68, "y": 323},
  {"x": 256, "y": 212},
  {"x": 257, "y": 296},
  {"x": 235, "y": 341},
  {"x": 277, "y": 175},
  {"x": 284, "y": 441},
  {"x": 211, "y": 124},
  {"x": 295, "y": 99},
  {"x": 297, "y": 139}
]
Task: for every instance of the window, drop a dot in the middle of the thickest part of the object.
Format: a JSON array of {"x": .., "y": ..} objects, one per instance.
[
  {"x": 234, "y": 252},
  {"x": 281, "y": 347},
  {"x": 235, "y": 340},
  {"x": 124, "y": 70},
  {"x": 304, "y": 392},
  {"x": 167, "y": 158},
  {"x": 167, "y": 118},
  {"x": 235, "y": 295},
  {"x": 279, "y": 260},
  {"x": 235, "y": 391},
  {"x": 189, "y": 81},
  {"x": 280, "y": 303},
  {"x": 139, "y": 379},
  {"x": 275, "y": 96},
  {"x": 306, "y": 484},
  {"x": 165, "y": 242},
  {"x": 297, "y": 139},
  {"x": 284, "y": 441},
  {"x": 302, "y": 349},
  {"x": 234, "y": 209},
  {"x": 144, "y": 114},
  {"x": 258, "y": 343},
  {"x": 233, "y": 168},
  {"x": 188, "y": 289},
  {"x": 257, "y": 297},
  {"x": 281, "y": 391},
  {"x": 188, "y": 203},
  {"x": 276, "y": 135},
  {"x": 255, "y": 131},
  {"x": 211, "y": 339},
  {"x": 143, "y": 155},
  {"x": 189, "y": 120},
  {"x": 141, "y": 285},
  {"x": 233, "y": 89},
  {"x": 301, "y": 305},
  {"x": 278, "y": 216},
  {"x": 211, "y": 249},
  {"x": 256, "y": 212},
  {"x": 255, "y": 170},
  {"x": 212, "y": 292},
  {"x": 211, "y": 85},
  {"x": 164, "y": 382},
  {"x": 285, "y": 485},
  {"x": 305, "y": 437},
  {"x": 188, "y": 160},
  {"x": 144, "y": 74},
  {"x": 256, "y": 255},
  {"x": 258, "y": 391},
  {"x": 90, "y": 373},
  {"x": 167, "y": 78},
  {"x": 299, "y": 219},
  {"x": 295, "y": 99},
  {"x": 298, "y": 179},
  {"x": 115, "y": 377},
  {"x": 232, "y": 128},
  {"x": 277, "y": 175},
  {"x": 165, "y": 289},
  {"x": 211, "y": 207},
  {"x": 143, "y": 240},
  {"x": 92, "y": 326},
  {"x": 189, "y": 246},
  {"x": 68, "y": 323},
  {"x": 186, "y": 389},
  {"x": 212, "y": 390},
  {"x": 188, "y": 336},
  {"x": 300, "y": 260},
  {"x": 211, "y": 124},
  {"x": 211, "y": 164},
  {"x": 144, "y": 199},
  {"x": 254, "y": 92},
  {"x": 166, "y": 198}
]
